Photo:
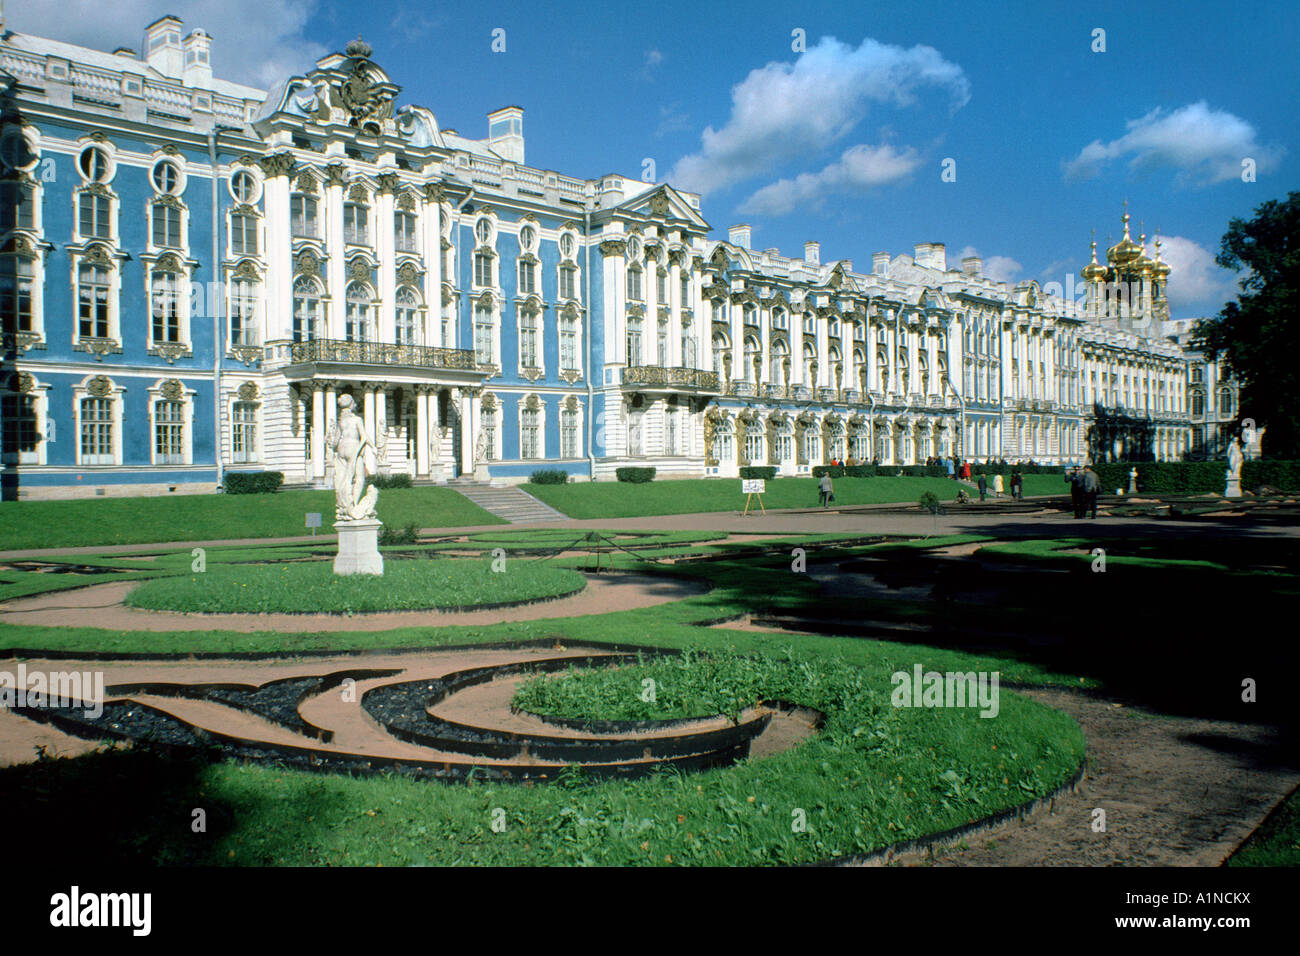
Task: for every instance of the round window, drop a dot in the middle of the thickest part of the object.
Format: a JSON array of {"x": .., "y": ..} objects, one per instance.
[
  {"x": 243, "y": 186},
  {"x": 95, "y": 165},
  {"x": 166, "y": 177},
  {"x": 567, "y": 246},
  {"x": 483, "y": 231}
]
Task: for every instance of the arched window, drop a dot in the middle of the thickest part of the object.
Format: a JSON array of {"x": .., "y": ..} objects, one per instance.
[
  {"x": 784, "y": 441},
  {"x": 754, "y": 444},
  {"x": 243, "y": 433},
  {"x": 809, "y": 365},
  {"x": 407, "y": 301},
  {"x": 780, "y": 320},
  {"x": 812, "y": 444},
  {"x": 688, "y": 343},
  {"x": 779, "y": 372},
  {"x": 753, "y": 359},
  {"x": 357, "y": 325},
  {"x": 882, "y": 366},
  {"x": 306, "y": 309},
  {"x": 720, "y": 349},
  {"x": 1225, "y": 402},
  {"x": 835, "y": 435},
  {"x": 724, "y": 441}
]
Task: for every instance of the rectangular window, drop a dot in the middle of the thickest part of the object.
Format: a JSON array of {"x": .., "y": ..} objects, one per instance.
[
  {"x": 488, "y": 427},
  {"x": 166, "y": 310},
  {"x": 530, "y": 434},
  {"x": 243, "y": 234},
  {"x": 661, "y": 343},
  {"x": 527, "y": 278},
  {"x": 661, "y": 288},
  {"x": 243, "y": 434},
  {"x": 169, "y": 433},
  {"x": 634, "y": 292},
  {"x": 302, "y": 215},
  {"x": 482, "y": 269},
  {"x": 686, "y": 292},
  {"x": 243, "y": 313},
  {"x": 16, "y": 294},
  {"x": 404, "y": 231},
  {"x": 166, "y": 226},
  {"x": 17, "y": 206},
  {"x": 96, "y": 431},
  {"x": 568, "y": 282},
  {"x": 528, "y": 340},
  {"x": 95, "y": 217},
  {"x": 356, "y": 224},
  {"x": 483, "y": 350},
  {"x": 20, "y": 435},
  {"x": 569, "y": 447},
  {"x": 92, "y": 302},
  {"x": 569, "y": 344}
]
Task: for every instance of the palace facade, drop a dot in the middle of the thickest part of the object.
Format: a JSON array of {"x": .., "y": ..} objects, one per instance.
[{"x": 192, "y": 271}]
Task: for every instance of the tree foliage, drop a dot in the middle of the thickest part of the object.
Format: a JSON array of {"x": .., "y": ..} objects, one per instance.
[{"x": 1257, "y": 337}]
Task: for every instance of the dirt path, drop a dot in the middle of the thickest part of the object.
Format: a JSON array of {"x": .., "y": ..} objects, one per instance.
[
  {"x": 100, "y": 606},
  {"x": 1176, "y": 791}
]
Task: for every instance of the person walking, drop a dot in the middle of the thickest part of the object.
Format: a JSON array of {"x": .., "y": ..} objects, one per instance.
[
  {"x": 1090, "y": 485},
  {"x": 947, "y": 463},
  {"x": 997, "y": 484},
  {"x": 827, "y": 490},
  {"x": 1075, "y": 477},
  {"x": 984, "y": 485},
  {"x": 1017, "y": 485},
  {"x": 965, "y": 471}
]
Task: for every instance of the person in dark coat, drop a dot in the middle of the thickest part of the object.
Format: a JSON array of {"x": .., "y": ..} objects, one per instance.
[
  {"x": 1017, "y": 485},
  {"x": 826, "y": 490},
  {"x": 984, "y": 486},
  {"x": 1074, "y": 476},
  {"x": 1090, "y": 485}
]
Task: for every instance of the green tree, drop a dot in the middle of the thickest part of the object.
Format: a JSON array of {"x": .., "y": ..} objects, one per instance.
[{"x": 1257, "y": 338}]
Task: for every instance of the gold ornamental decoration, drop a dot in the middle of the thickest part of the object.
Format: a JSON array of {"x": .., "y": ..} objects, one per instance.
[{"x": 100, "y": 386}]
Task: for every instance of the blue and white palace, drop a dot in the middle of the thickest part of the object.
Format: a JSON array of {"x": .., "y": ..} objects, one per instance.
[{"x": 192, "y": 271}]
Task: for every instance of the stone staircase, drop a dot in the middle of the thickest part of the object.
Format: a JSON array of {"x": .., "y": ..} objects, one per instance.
[{"x": 509, "y": 502}]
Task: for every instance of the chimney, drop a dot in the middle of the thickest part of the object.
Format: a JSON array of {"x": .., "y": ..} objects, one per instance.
[
  {"x": 938, "y": 257},
  {"x": 125, "y": 51},
  {"x": 812, "y": 253},
  {"x": 880, "y": 263},
  {"x": 162, "y": 47},
  {"x": 506, "y": 133},
  {"x": 738, "y": 235},
  {"x": 198, "y": 59},
  {"x": 972, "y": 266}
]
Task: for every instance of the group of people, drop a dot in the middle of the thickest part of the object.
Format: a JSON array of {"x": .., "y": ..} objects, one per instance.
[
  {"x": 961, "y": 471},
  {"x": 1085, "y": 485}
]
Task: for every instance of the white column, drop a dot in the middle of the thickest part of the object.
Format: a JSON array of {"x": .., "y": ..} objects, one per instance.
[
  {"x": 468, "y": 431},
  {"x": 368, "y": 406},
  {"x": 279, "y": 258},
  {"x": 318, "y": 431},
  {"x": 675, "y": 306},
  {"x": 336, "y": 266},
  {"x": 796, "y": 348},
  {"x": 422, "y": 426},
  {"x": 431, "y": 247},
  {"x": 386, "y": 246}
]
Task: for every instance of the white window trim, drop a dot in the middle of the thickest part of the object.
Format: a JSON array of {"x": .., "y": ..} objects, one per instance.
[
  {"x": 40, "y": 407},
  {"x": 259, "y": 228},
  {"x": 541, "y": 428},
  {"x": 228, "y": 440},
  {"x": 579, "y": 353},
  {"x": 187, "y": 425},
  {"x": 182, "y": 249},
  {"x": 259, "y": 310},
  {"x": 494, "y": 453},
  {"x": 532, "y": 305},
  {"x": 580, "y": 412},
  {"x": 82, "y": 391},
  {"x": 114, "y": 295},
  {"x": 113, "y": 238},
  {"x": 182, "y": 280},
  {"x": 37, "y": 260}
]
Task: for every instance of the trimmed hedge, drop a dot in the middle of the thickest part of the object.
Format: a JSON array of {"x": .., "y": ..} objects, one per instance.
[
  {"x": 408, "y": 535},
  {"x": 636, "y": 476},
  {"x": 549, "y": 476},
  {"x": 766, "y": 472},
  {"x": 849, "y": 471},
  {"x": 1006, "y": 468},
  {"x": 401, "y": 480},
  {"x": 253, "y": 482},
  {"x": 1196, "y": 477}
]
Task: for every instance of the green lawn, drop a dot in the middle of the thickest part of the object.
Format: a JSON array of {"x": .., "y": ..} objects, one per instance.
[
  {"x": 614, "y": 499},
  {"x": 312, "y": 587},
  {"x": 96, "y": 521},
  {"x": 1277, "y": 841}
]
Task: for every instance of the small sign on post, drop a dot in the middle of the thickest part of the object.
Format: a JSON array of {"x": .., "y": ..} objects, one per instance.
[
  {"x": 313, "y": 521},
  {"x": 753, "y": 488}
]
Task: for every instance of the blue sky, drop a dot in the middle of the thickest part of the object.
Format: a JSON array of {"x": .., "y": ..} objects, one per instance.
[{"x": 843, "y": 142}]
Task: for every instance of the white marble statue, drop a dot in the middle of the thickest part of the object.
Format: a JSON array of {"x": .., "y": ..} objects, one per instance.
[
  {"x": 1235, "y": 458},
  {"x": 480, "y": 448},
  {"x": 354, "y": 461}
]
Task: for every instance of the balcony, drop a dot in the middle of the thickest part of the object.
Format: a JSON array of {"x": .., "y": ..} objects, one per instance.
[
  {"x": 673, "y": 379},
  {"x": 801, "y": 393},
  {"x": 340, "y": 352},
  {"x": 742, "y": 389},
  {"x": 826, "y": 394},
  {"x": 773, "y": 391}
]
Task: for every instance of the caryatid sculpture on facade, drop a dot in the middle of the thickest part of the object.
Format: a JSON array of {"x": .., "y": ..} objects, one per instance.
[{"x": 354, "y": 462}]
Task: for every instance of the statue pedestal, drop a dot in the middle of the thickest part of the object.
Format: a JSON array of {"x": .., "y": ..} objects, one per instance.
[
  {"x": 358, "y": 547},
  {"x": 481, "y": 473},
  {"x": 1234, "y": 488}
]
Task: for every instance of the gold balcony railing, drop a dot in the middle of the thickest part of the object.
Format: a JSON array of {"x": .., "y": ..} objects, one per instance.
[{"x": 696, "y": 379}]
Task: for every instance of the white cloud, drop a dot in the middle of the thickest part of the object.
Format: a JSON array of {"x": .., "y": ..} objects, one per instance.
[
  {"x": 861, "y": 168},
  {"x": 997, "y": 268},
  {"x": 258, "y": 42},
  {"x": 785, "y": 110},
  {"x": 1205, "y": 145},
  {"x": 1196, "y": 282}
]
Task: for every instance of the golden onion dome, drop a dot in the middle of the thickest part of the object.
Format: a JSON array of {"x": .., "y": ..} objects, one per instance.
[
  {"x": 1126, "y": 251},
  {"x": 1094, "y": 271},
  {"x": 1160, "y": 267}
]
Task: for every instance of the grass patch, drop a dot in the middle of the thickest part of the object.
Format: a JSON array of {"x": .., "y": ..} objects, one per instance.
[
  {"x": 874, "y": 775},
  {"x": 313, "y": 587},
  {"x": 608, "y": 499},
  {"x": 1277, "y": 841},
  {"x": 89, "y": 522}
]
